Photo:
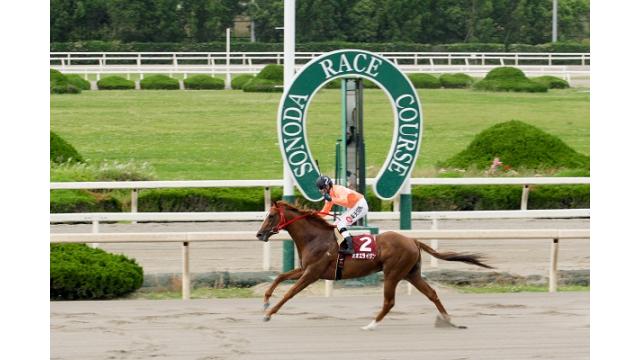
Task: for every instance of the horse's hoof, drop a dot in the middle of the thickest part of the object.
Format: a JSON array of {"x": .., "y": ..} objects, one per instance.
[
  {"x": 266, "y": 318},
  {"x": 266, "y": 306},
  {"x": 441, "y": 322},
  {"x": 372, "y": 325}
]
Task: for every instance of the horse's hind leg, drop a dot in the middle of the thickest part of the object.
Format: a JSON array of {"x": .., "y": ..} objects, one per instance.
[
  {"x": 390, "y": 285},
  {"x": 416, "y": 280},
  {"x": 289, "y": 275}
]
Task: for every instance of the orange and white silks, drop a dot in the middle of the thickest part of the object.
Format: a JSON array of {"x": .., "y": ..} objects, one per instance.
[{"x": 342, "y": 196}]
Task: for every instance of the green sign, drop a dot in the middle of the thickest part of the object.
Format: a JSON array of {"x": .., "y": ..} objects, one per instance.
[{"x": 350, "y": 63}]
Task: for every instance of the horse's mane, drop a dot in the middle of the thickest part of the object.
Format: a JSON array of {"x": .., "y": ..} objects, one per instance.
[{"x": 313, "y": 216}]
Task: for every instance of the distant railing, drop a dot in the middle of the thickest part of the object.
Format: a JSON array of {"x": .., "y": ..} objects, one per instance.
[{"x": 566, "y": 65}]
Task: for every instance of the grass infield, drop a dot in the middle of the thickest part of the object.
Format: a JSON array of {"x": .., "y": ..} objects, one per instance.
[{"x": 192, "y": 135}]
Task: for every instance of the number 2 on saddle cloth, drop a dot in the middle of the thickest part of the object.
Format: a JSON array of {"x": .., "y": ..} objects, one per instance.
[{"x": 365, "y": 248}]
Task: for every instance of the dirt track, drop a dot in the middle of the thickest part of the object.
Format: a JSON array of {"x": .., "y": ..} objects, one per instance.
[{"x": 501, "y": 326}]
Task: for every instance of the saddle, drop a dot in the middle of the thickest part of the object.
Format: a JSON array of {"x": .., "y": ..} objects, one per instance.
[{"x": 364, "y": 248}]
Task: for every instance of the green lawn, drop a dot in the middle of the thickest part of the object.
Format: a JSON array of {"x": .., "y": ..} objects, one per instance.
[{"x": 194, "y": 135}]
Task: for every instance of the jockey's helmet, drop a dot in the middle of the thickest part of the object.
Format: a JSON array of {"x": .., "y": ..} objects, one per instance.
[{"x": 324, "y": 182}]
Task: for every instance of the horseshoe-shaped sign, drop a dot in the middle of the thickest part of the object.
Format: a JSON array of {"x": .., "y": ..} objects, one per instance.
[{"x": 407, "y": 112}]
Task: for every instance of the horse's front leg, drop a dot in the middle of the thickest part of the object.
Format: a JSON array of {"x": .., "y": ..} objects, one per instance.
[
  {"x": 289, "y": 275},
  {"x": 308, "y": 277}
]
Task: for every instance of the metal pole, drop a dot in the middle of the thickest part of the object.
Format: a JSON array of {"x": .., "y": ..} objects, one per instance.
[
  {"x": 405, "y": 206},
  {"x": 186, "y": 277},
  {"x": 227, "y": 84},
  {"x": 554, "y": 35},
  {"x": 289, "y": 70}
]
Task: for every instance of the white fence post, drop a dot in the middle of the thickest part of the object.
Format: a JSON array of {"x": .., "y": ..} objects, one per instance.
[
  {"x": 186, "y": 276},
  {"x": 267, "y": 198},
  {"x": 134, "y": 202},
  {"x": 525, "y": 197},
  {"x": 434, "y": 244},
  {"x": 553, "y": 268},
  {"x": 328, "y": 288},
  {"x": 95, "y": 228}
]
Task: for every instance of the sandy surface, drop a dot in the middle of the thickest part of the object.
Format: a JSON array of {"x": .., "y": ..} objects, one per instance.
[
  {"x": 501, "y": 326},
  {"x": 524, "y": 257}
]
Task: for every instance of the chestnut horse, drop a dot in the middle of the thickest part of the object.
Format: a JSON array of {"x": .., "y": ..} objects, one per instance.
[{"x": 398, "y": 257}]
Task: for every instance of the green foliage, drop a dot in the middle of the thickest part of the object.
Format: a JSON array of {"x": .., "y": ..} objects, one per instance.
[
  {"x": 261, "y": 85},
  {"x": 117, "y": 46},
  {"x": 78, "y": 272},
  {"x": 518, "y": 145},
  {"x": 497, "y": 197},
  {"x": 239, "y": 81},
  {"x": 496, "y": 22},
  {"x": 203, "y": 82},
  {"x": 73, "y": 201},
  {"x": 508, "y": 79},
  {"x": 61, "y": 151},
  {"x": 159, "y": 82},
  {"x": 551, "y": 82},
  {"x": 104, "y": 171},
  {"x": 77, "y": 81},
  {"x": 59, "y": 84},
  {"x": 272, "y": 72},
  {"x": 456, "y": 81},
  {"x": 424, "y": 81},
  {"x": 115, "y": 83}
]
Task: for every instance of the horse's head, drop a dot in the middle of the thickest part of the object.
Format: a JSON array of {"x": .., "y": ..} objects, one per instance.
[{"x": 272, "y": 222}]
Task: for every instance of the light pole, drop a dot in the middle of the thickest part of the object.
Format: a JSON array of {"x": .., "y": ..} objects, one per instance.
[{"x": 554, "y": 20}]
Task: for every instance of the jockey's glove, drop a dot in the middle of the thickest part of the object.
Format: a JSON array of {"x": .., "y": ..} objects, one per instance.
[{"x": 326, "y": 197}]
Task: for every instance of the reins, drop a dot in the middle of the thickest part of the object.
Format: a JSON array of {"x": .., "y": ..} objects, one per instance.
[{"x": 283, "y": 223}]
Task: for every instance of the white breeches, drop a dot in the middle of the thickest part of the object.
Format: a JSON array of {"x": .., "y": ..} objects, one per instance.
[{"x": 351, "y": 216}]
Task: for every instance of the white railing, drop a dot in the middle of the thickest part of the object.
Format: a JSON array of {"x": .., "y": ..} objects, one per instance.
[
  {"x": 555, "y": 235},
  {"x": 565, "y": 65}
]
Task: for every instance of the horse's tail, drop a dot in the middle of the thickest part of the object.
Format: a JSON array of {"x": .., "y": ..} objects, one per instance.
[{"x": 474, "y": 259}]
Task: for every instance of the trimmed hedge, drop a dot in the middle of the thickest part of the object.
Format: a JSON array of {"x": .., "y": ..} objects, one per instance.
[
  {"x": 73, "y": 201},
  {"x": 424, "y": 81},
  {"x": 203, "y": 82},
  {"x": 79, "y": 272},
  {"x": 272, "y": 72},
  {"x": 117, "y": 46},
  {"x": 425, "y": 198},
  {"x": 115, "y": 83},
  {"x": 61, "y": 151},
  {"x": 551, "y": 82},
  {"x": 508, "y": 79},
  {"x": 456, "y": 81},
  {"x": 518, "y": 145},
  {"x": 261, "y": 85},
  {"x": 77, "y": 81},
  {"x": 159, "y": 82},
  {"x": 238, "y": 82},
  {"x": 59, "y": 84}
]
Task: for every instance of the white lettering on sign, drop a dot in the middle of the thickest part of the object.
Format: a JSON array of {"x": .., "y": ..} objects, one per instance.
[
  {"x": 347, "y": 66},
  {"x": 298, "y": 99}
]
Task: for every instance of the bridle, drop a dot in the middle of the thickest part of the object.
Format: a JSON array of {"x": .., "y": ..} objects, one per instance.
[{"x": 283, "y": 223}]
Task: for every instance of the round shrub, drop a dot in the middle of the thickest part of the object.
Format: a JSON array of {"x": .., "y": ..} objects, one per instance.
[
  {"x": 518, "y": 145},
  {"x": 551, "y": 82},
  {"x": 77, "y": 81},
  {"x": 505, "y": 72},
  {"x": 456, "y": 81},
  {"x": 261, "y": 85},
  {"x": 272, "y": 72},
  {"x": 508, "y": 78},
  {"x": 80, "y": 272},
  {"x": 424, "y": 81},
  {"x": 238, "y": 82},
  {"x": 203, "y": 82},
  {"x": 59, "y": 84},
  {"x": 61, "y": 151},
  {"x": 159, "y": 82},
  {"x": 115, "y": 83}
]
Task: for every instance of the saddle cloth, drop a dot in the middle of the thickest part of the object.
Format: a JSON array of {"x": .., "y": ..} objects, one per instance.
[{"x": 364, "y": 247}]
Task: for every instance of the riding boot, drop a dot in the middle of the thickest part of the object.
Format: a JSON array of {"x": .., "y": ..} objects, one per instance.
[{"x": 349, "y": 249}]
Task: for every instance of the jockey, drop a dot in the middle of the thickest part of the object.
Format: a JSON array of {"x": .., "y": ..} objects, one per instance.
[{"x": 354, "y": 202}]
